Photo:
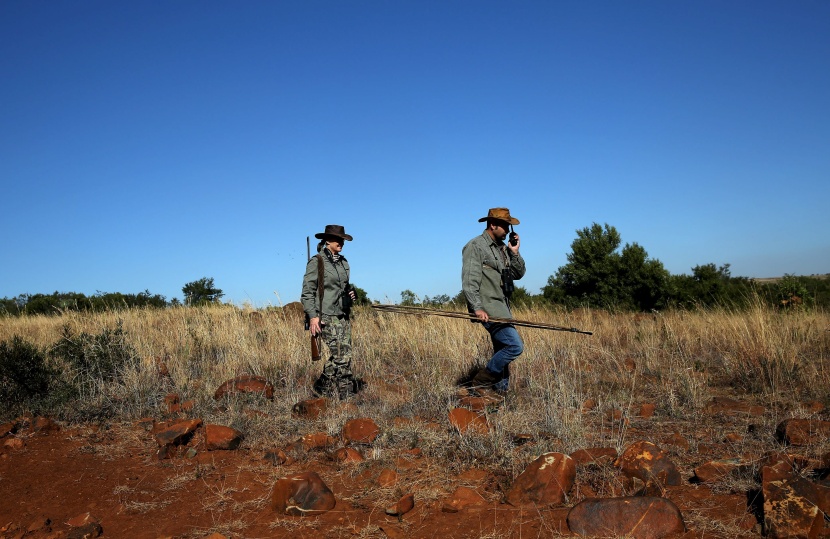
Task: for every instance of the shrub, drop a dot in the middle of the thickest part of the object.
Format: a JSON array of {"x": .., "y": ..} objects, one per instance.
[{"x": 24, "y": 373}]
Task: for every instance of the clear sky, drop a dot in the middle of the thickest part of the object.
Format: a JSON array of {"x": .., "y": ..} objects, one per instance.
[{"x": 147, "y": 144}]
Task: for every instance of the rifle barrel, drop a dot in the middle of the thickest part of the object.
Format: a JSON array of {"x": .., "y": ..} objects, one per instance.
[{"x": 402, "y": 309}]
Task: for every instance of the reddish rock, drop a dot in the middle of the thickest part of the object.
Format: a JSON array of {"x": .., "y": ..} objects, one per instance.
[
  {"x": 360, "y": 431},
  {"x": 647, "y": 410},
  {"x": 387, "y": 478},
  {"x": 803, "y": 431},
  {"x": 600, "y": 455},
  {"x": 187, "y": 406},
  {"x": 310, "y": 408},
  {"x": 81, "y": 520},
  {"x": 402, "y": 507},
  {"x": 630, "y": 364},
  {"x": 161, "y": 367},
  {"x": 7, "y": 429},
  {"x": 589, "y": 405},
  {"x": 246, "y": 384},
  {"x": 727, "y": 406},
  {"x": 733, "y": 438},
  {"x": 479, "y": 404},
  {"x": 87, "y": 531},
  {"x": 14, "y": 444},
  {"x": 464, "y": 421},
  {"x": 813, "y": 407},
  {"x": 463, "y": 498},
  {"x": 44, "y": 425},
  {"x": 793, "y": 506},
  {"x": 317, "y": 440},
  {"x": 348, "y": 455},
  {"x": 220, "y": 437},
  {"x": 546, "y": 481},
  {"x": 649, "y": 463},
  {"x": 635, "y": 517},
  {"x": 172, "y": 403},
  {"x": 677, "y": 440},
  {"x": 716, "y": 470},
  {"x": 301, "y": 494},
  {"x": 175, "y": 432},
  {"x": 278, "y": 457}
]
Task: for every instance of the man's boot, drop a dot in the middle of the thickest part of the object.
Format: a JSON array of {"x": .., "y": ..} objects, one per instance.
[
  {"x": 483, "y": 383},
  {"x": 322, "y": 386}
]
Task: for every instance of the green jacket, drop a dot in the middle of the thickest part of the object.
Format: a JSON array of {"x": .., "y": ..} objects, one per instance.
[
  {"x": 335, "y": 277},
  {"x": 483, "y": 259}
]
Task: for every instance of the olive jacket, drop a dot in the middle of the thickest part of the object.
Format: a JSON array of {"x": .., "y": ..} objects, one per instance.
[
  {"x": 483, "y": 260},
  {"x": 335, "y": 278}
]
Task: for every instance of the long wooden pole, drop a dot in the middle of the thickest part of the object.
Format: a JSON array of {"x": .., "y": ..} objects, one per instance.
[{"x": 403, "y": 309}]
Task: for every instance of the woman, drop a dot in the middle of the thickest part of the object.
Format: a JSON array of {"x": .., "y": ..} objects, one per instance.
[{"x": 327, "y": 299}]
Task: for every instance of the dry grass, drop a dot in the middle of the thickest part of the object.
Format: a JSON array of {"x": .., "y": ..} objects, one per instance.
[{"x": 677, "y": 360}]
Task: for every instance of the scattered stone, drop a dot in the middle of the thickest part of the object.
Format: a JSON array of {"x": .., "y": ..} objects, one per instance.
[
  {"x": 187, "y": 406},
  {"x": 220, "y": 437},
  {"x": 464, "y": 420},
  {"x": 301, "y": 494},
  {"x": 387, "y": 478},
  {"x": 45, "y": 425},
  {"x": 15, "y": 444},
  {"x": 717, "y": 469},
  {"x": 677, "y": 440},
  {"x": 630, "y": 364},
  {"x": 190, "y": 453},
  {"x": 598, "y": 455},
  {"x": 7, "y": 428},
  {"x": 161, "y": 367},
  {"x": 172, "y": 402},
  {"x": 733, "y": 438},
  {"x": 246, "y": 384},
  {"x": 589, "y": 405},
  {"x": 177, "y": 432},
  {"x": 727, "y": 406},
  {"x": 360, "y": 431},
  {"x": 81, "y": 520},
  {"x": 403, "y": 506},
  {"x": 462, "y": 498},
  {"x": 813, "y": 407},
  {"x": 479, "y": 403},
  {"x": 278, "y": 457},
  {"x": 647, "y": 410},
  {"x": 317, "y": 440},
  {"x": 546, "y": 481},
  {"x": 793, "y": 506},
  {"x": 348, "y": 455},
  {"x": 310, "y": 408},
  {"x": 649, "y": 463},
  {"x": 87, "y": 531},
  {"x": 635, "y": 517},
  {"x": 802, "y": 431}
]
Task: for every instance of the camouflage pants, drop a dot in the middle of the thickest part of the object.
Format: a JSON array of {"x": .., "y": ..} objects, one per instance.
[{"x": 337, "y": 334}]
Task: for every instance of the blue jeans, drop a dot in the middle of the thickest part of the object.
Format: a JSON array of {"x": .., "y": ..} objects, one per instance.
[{"x": 507, "y": 346}]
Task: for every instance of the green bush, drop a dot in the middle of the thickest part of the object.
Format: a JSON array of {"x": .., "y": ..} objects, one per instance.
[
  {"x": 95, "y": 358},
  {"x": 24, "y": 373}
]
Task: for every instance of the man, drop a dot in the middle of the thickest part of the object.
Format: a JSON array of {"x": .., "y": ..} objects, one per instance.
[
  {"x": 327, "y": 298},
  {"x": 489, "y": 267}
]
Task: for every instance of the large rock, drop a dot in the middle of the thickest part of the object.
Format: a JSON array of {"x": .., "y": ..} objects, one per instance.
[
  {"x": 301, "y": 494},
  {"x": 360, "y": 431},
  {"x": 246, "y": 384},
  {"x": 310, "y": 408},
  {"x": 171, "y": 433},
  {"x": 635, "y": 517},
  {"x": 462, "y": 498},
  {"x": 647, "y": 462},
  {"x": 803, "y": 431},
  {"x": 731, "y": 407},
  {"x": 793, "y": 506},
  {"x": 464, "y": 421},
  {"x": 717, "y": 470},
  {"x": 546, "y": 481},
  {"x": 220, "y": 437}
]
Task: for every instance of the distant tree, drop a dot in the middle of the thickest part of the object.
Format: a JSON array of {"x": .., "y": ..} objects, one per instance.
[
  {"x": 201, "y": 292},
  {"x": 436, "y": 301},
  {"x": 409, "y": 298},
  {"x": 598, "y": 275},
  {"x": 708, "y": 286},
  {"x": 362, "y": 296}
]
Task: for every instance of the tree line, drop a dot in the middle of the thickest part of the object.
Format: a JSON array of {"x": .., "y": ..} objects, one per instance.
[{"x": 599, "y": 273}]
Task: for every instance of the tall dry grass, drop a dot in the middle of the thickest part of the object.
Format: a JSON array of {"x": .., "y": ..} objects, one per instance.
[{"x": 677, "y": 360}]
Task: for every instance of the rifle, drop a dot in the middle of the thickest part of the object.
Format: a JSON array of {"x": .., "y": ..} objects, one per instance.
[{"x": 315, "y": 339}]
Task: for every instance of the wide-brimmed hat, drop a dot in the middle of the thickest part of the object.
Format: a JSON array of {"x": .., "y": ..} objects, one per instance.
[
  {"x": 336, "y": 231},
  {"x": 500, "y": 214}
]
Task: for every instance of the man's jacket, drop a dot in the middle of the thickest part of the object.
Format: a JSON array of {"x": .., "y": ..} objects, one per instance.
[
  {"x": 336, "y": 275},
  {"x": 483, "y": 260}
]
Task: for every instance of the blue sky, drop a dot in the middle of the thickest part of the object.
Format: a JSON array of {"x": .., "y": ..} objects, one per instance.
[{"x": 144, "y": 145}]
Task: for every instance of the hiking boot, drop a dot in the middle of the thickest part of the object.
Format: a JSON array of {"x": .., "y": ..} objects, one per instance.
[
  {"x": 323, "y": 386},
  {"x": 485, "y": 378}
]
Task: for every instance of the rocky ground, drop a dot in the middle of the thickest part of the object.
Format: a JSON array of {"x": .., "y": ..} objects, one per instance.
[{"x": 736, "y": 469}]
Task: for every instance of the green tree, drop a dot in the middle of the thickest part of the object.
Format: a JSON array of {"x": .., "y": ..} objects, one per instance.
[
  {"x": 201, "y": 292},
  {"x": 710, "y": 285},
  {"x": 409, "y": 298},
  {"x": 362, "y": 296},
  {"x": 599, "y": 275}
]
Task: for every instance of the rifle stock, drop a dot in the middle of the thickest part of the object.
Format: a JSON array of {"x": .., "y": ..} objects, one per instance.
[{"x": 315, "y": 339}]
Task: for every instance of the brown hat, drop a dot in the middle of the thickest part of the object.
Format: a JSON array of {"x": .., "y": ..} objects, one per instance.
[
  {"x": 336, "y": 231},
  {"x": 500, "y": 214}
]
